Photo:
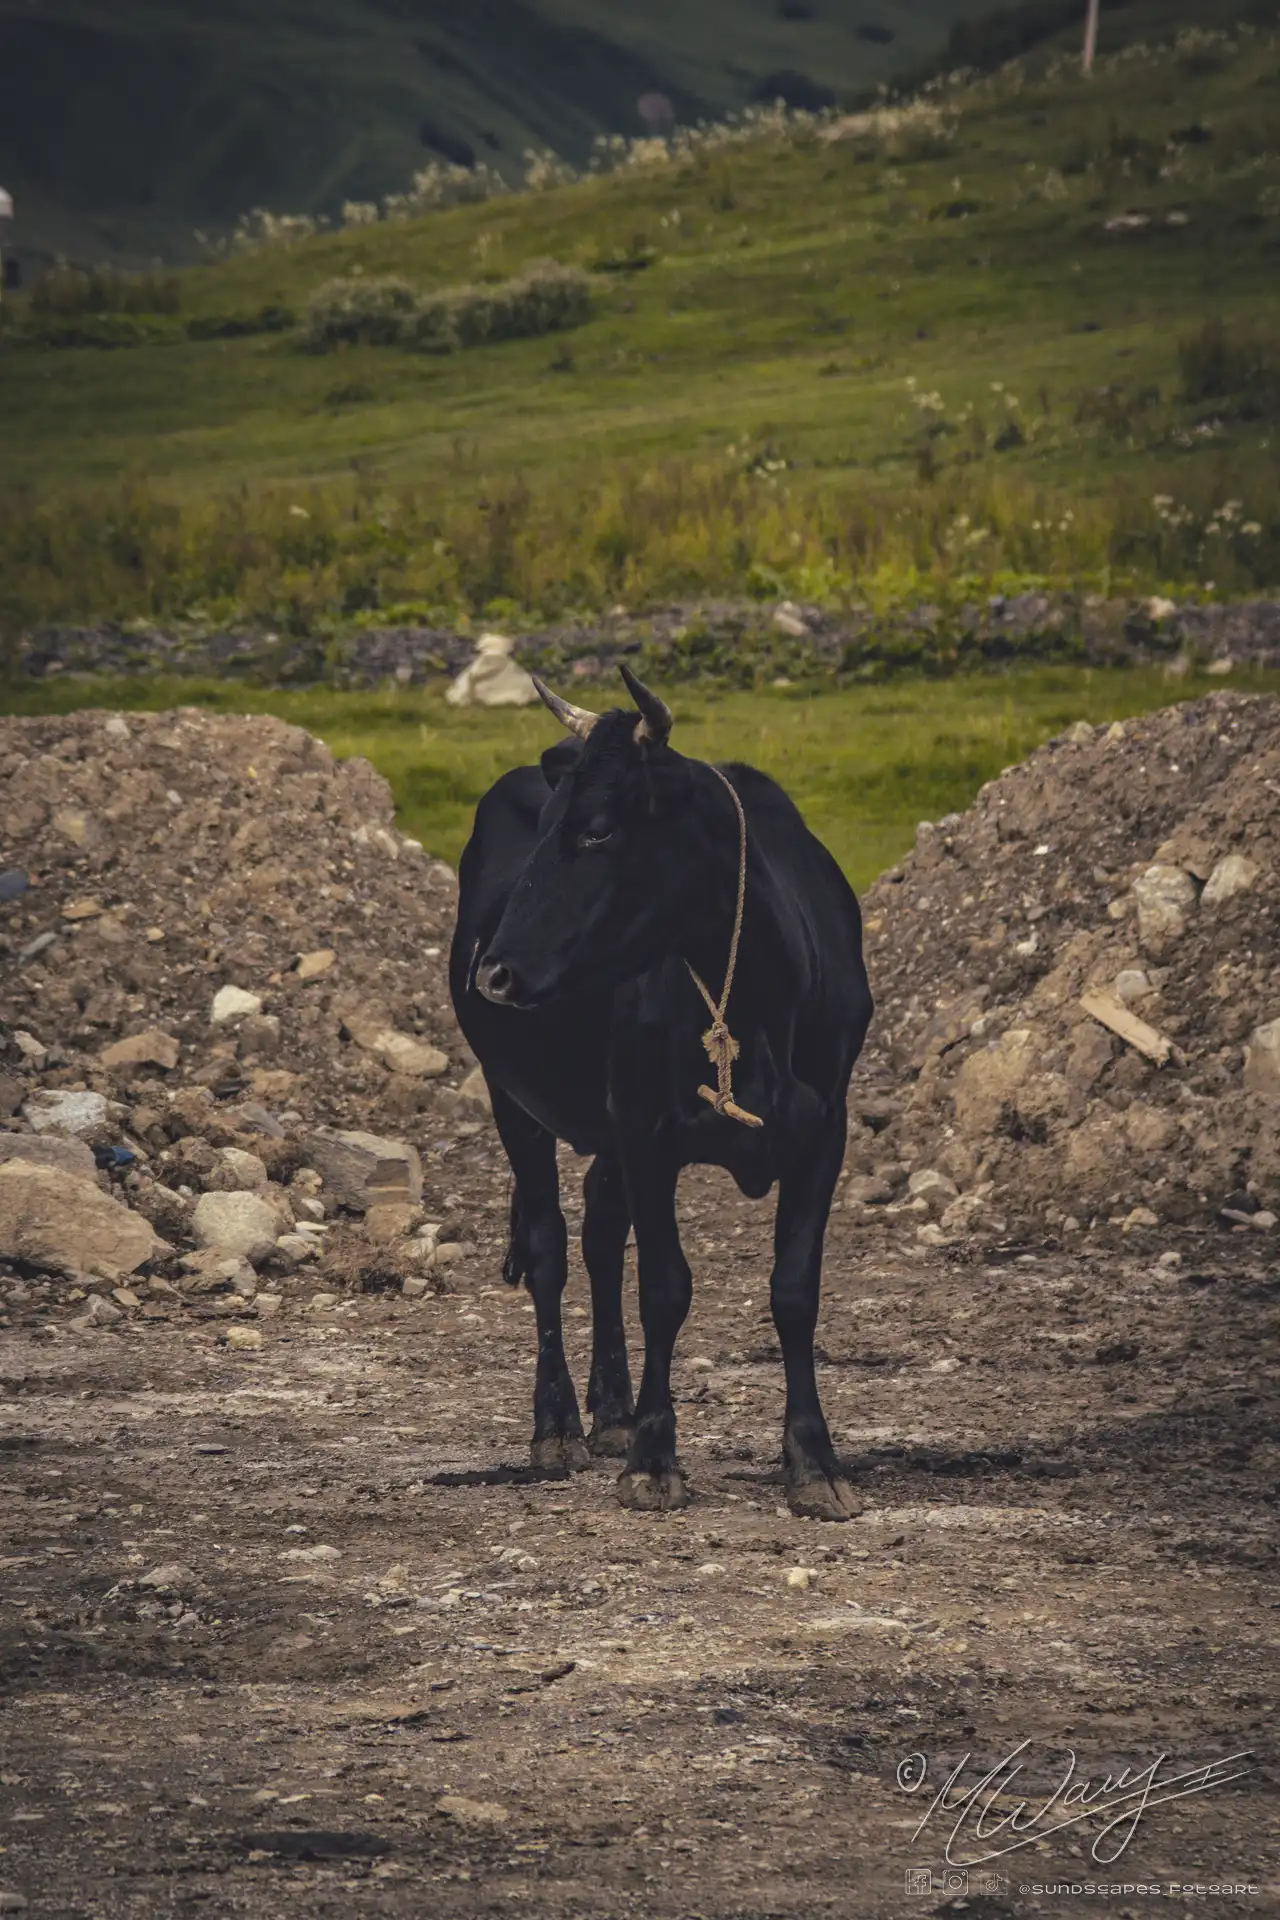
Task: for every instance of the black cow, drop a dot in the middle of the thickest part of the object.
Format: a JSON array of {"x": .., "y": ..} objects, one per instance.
[{"x": 593, "y": 890}]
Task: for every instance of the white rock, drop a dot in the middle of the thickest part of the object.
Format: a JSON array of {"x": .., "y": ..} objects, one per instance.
[
  {"x": 294, "y": 1248},
  {"x": 1262, "y": 1060},
  {"x": 493, "y": 679},
  {"x": 1131, "y": 984},
  {"x": 1165, "y": 898},
  {"x": 933, "y": 1188},
  {"x": 1139, "y": 1217},
  {"x": 103, "y": 1313},
  {"x": 242, "y": 1223},
  {"x": 117, "y": 727},
  {"x": 931, "y": 1235},
  {"x": 249, "y": 1171},
  {"x": 1232, "y": 875},
  {"x": 31, "y": 1049},
  {"x": 800, "y": 1579},
  {"x": 789, "y": 620},
  {"x": 233, "y": 1003},
  {"x": 54, "y": 1111},
  {"x": 245, "y": 1339}
]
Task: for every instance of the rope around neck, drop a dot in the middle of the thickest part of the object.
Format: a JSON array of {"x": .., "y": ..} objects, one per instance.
[{"x": 722, "y": 1048}]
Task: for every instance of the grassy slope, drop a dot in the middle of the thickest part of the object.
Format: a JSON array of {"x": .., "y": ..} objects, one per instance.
[
  {"x": 125, "y": 126},
  {"x": 863, "y": 765},
  {"x": 801, "y": 289}
]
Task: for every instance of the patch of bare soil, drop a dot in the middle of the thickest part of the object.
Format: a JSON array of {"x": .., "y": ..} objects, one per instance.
[{"x": 287, "y": 1626}]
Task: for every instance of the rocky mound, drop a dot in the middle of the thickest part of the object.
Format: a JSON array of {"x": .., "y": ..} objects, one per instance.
[
  {"x": 1078, "y": 988},
  {"x": 224, "y": 988}
]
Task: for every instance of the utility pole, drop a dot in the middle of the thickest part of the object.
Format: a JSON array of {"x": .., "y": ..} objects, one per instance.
[{"x": 1090, "y": 35}]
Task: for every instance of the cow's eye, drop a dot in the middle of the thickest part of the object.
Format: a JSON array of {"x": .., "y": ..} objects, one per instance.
[{"x": 593, "y": 838}]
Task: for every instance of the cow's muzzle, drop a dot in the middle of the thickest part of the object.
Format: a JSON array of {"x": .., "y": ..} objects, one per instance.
[{"x": 496, "y": 981}]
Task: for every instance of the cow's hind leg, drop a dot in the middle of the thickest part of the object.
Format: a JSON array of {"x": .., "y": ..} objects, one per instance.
[
  {"x": 538, "y": 1255},
  {"x": 605, "y": 1224},
  {"x": 651, "y": 1479},
  {"x": 816, "y": 1488}
]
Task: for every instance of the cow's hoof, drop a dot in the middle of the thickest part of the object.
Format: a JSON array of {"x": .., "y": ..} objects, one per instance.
[
  {"x": 565, "y": 1451},
  {"x": 653, "y": 1492},
  {"x": 825, "y": 1497},
  {"x": 610, "y": 1442}
]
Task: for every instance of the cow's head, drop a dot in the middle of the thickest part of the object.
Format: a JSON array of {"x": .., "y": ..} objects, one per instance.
[{"x": 602, "y": 895}]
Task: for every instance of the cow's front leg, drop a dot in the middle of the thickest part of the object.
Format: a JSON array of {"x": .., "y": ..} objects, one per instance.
[
  {"x": 606, "y": 1222},
  {"x": 538, "y": 1255},
  {"x": 816, "y": 1488},
  {"x": 651, "y": 1479}
]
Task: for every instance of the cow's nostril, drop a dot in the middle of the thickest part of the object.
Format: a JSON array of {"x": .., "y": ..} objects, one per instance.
[{"x": 495, "y": 981}]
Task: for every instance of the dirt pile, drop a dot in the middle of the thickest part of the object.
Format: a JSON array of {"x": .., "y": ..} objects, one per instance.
[
  {"x": 222, "y": 967},
  {"x": 1078, "y": 995}
]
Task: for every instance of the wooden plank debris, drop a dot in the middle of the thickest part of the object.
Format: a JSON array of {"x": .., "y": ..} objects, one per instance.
[{"x": 1116, "y": 1017}]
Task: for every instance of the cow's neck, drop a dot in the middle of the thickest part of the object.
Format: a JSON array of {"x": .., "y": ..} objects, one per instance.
[{"x": 713, "y": 844}]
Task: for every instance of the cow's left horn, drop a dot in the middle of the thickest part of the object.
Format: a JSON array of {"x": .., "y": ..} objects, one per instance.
[
  {"x": 656, "y": 719},
  {"x": 579, "y": 720}
]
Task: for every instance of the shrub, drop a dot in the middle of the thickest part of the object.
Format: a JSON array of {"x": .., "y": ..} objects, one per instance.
[
  {"x": 350, "y": 311},
  {"x": 68, "y": 291},
  {"x": 543, "y": 299}
]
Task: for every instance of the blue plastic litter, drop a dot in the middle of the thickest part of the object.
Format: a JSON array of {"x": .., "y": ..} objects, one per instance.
[
  {"x": 12, "y": 883},
  {"x": 109, "y": 1157}
]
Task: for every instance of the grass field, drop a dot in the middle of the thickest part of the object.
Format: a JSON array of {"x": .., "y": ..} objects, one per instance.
[
  {"x": 865, "y": 766},
  {"x": 903, "y": 356}
]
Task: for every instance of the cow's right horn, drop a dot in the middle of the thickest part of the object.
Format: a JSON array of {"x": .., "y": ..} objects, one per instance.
[{"x": 579, "y": 720}]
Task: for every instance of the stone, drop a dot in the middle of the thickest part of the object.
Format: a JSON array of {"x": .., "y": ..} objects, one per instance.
[
  {"x": 259, "y": 1034},
  {"x": 236, "y": 1170},
  {"x": 87, "y": 909},
  {"x": 933, "y": 1188},
  {"x": 869, "y": 1190},
  {"x": 55, "y": 1111},
  {"x": 1232, "y": 875},
  {"x": 52, "y": 1151},
  {"x": 1262, "y": 1061},
  {"x": 800, "y": 1579},
  {"x": 310, "y": 966},
  {"x": 125, "y": 1297},
  {"x": 321, "y": 1302},
  {"x": 415, "y": 1285},
  {"x": 63, "y": 1221},
  {"x": 292, "y": 1249},
  {"x": 30, "y": 1048},
  {"x": 471, "y": 1813},
  {"x": 361, "y": 1169},
  {"x": 988, "y": 1080},
  {"x": 244, "y": 1339},
  {"x": 79, "y": 828},
  {"x": 150, "y": 1049},
  {"x": 391, "y": 1220},
  {"x": 213, "y": 1270},
  {"x": 492, "y": 679},
  {"x": 237, "y": 1222},
  {"x": 1131, "y": 984},
  {"x": 931, "y": 1235},
  {"x": 1139, "y": 1217},
  {"x": 788, "y": 619},
  {"x": 1165, "y": 897},
  {"x": 399, "y": 1051},
  {"x": 963, "y": 1215},
  {"x": 173, "y": 1577},
  {"x": 13, "y": 883},
  {"x": 233, "y": 1003},
  {"x": 268, "y": 1304},
  {"x": 11, "y": 1901},
  {"x": 476, "y": 1088},
  {"x": 34, "y": 948},
  {"x": 117, "y": 727},
  {"x": 103, "y": 1313}
]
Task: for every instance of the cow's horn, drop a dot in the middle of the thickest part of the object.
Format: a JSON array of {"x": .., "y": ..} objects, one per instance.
[
  {"x": 579, "y": 720},
  {"x": 656, "y": 719}
]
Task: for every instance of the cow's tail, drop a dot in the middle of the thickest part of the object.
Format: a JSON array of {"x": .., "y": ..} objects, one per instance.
[{"x": 515, "y": 1268}]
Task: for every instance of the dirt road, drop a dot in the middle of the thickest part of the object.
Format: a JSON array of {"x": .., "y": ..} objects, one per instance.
[{"x": 291, "y": 1632}]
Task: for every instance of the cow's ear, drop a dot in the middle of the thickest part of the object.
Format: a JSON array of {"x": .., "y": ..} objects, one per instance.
[{"x": 558, "y": 760}]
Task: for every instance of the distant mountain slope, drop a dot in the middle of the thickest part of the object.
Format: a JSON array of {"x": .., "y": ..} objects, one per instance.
[{"x": 126, "y": 123}]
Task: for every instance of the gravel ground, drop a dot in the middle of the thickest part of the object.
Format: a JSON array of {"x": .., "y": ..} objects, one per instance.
[{"x": 291, "y": 1631}]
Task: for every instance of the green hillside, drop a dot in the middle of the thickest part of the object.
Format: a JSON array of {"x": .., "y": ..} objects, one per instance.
[
  {"x": 1024, "y": 334},
  {"x": 124, "y": 127}
]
